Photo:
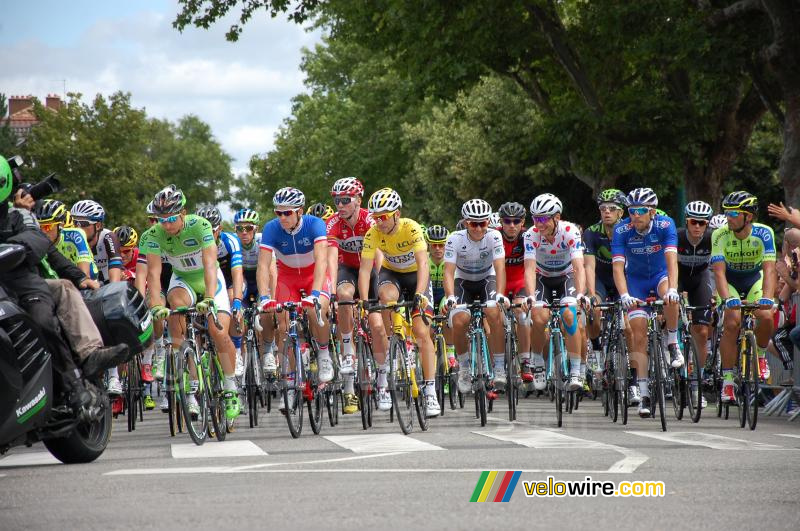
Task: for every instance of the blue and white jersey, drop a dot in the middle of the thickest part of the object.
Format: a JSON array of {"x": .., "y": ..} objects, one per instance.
[
  {"x": 229, "y": 255},
  {"x": 644, "y": 254},
  {"x": 294, "y": 250},
  {"x": 250, "y": 259}
]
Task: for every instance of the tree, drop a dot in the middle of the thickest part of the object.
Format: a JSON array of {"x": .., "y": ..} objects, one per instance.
[{"x": 8, "y": 140}]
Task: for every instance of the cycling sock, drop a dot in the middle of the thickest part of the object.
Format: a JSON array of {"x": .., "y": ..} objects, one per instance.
[
  {"x": 382, "y": 375},
  {"x": 538, "y": 359},
  {"x": 644, "y": 387},
  {"x": 574, "y": 366},
  {"x": 525, "y": 355},
  {"x": 347, "y": 343},
  {"x": 230, "y": 383},
  {"x": 348, "y": 384},
  {"x": 672, "y": 337},
  {"x": 583, "y": 368},
  {"x": 113, "y": 373},
  {"x": 237, "y": 342},
  {"x": 323, "y": 352},
  {"x": 499, "y": 360},
  {"x": 762, "y": 351},
  {"x": 727, "y": 375},
  {"x": 451, "y": 351},
  {"x": 430, "y": 387}
]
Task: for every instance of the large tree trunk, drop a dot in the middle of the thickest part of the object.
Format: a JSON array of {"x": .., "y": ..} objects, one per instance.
[{"x": 789, "y": 169}]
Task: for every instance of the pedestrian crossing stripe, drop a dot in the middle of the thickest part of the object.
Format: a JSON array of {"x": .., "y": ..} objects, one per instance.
[{"x": 494, "y": 486}]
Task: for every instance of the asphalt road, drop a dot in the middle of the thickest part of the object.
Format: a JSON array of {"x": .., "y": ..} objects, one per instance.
[{"x": 716, "y": 475}]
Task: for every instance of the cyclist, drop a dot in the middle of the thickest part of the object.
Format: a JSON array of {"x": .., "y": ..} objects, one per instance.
[
  {"x": 346, "y": 230},
  {"x": 54, "y": 220},
  {"x": 246, "y": 222},
  {"x": 597, "y": 260},
  {"x": 404, "y": 273},
  {"x": 321, "y": 210},
  {"x": 554, "y": 262},
  {"x": 89, "y": 216},
  {"x": 512, "y": 225},
  {"x": 743, "y": 260},
  {"x": 718, "y": 221},
  {"x": 474, "y": 270},
  {"x": 128, "y": 250},
  {"x": 436, "y": 236},
  {"x": 187, "y": 242},
  {"x": 694, "y": 275},
  {"x": 229, "y": 258},
  {"x": 300, "y": 246},
  {"x": 644, "y": 248}
]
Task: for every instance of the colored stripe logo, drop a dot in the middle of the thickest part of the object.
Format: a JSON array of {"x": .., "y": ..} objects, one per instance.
[{"x": 494, "y": 486}]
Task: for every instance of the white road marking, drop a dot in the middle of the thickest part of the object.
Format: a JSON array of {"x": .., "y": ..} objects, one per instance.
[
  {"x": 387, "y": 442},
  {"x": 542, "y": 438},
  {"x": 788, "y": 435},
  {"x": 29, "y": 459},
  {"x": 215, "y": 449},
  {"x": 717, "y": 442}
]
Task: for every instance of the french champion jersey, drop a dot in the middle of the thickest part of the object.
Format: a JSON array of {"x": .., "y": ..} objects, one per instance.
[
  {"x": 294, "y": 251},
  {"x": 644, "y": 254}
]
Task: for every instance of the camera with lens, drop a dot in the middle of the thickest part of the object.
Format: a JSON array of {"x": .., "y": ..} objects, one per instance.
[{"x": 48, "y": 185}]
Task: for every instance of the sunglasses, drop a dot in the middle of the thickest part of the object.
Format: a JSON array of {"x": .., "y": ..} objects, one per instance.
[
  {"x": 384, "y": 216},
  {"x": 541, "y": 219},
  {"x": 512, "y": 221},
  {"x": 436, "y": 245},
  {"x": 283, "y": 213},
  {"x": 609, "y": 208},
  {"x": 342, "y": 200},
  {"x": 698, "y": 222},
  {"x": 735, "y": 213},
  {"x": 83, "y": 223},
  {"x": 478, "y": 224},
  {"x": 245, "y": 228},
  {"x": 169, "y": 219},
  {"x": 126, "y": 250},
  {"x": 638, "y": 211},
  {"x": 47, "y": 226}
]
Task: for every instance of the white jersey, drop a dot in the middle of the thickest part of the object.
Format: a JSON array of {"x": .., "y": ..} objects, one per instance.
[
  {"x": 250, "y": 256},
  {"x": 474, "y": 260},
  {"x": 554, "y": 259}
]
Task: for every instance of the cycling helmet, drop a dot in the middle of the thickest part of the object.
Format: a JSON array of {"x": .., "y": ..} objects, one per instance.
[
  {"x": 211, "y": 213},
  {"x": 494, "y": 221},
  {"x": 50, "y": 211},
  {"x": 511, "y": 210},
  {"x": 150, "y": 209},
  {"x": 642, "y": 197},
  {"x": 384, "y": 200},
  {"x": 88, "y": 209},
  {"x": 740, "y": 200},
  {"x": 611, "y": 195},
  {"x": 436, "y": 234},
  {"x": 289, "y": 197},
  {"x": 476, "y": 210},
  {"x": 347, "y": 186},
  {"x": 718, "y": 221},
  {"x": 660, "y": 212},
  {"x": 460, "y": 225},
  {"x": 699, "y": 210},
  {"x": 246, "y": 215},
  {"x": 320, "y": 210},
  {"x": 545, "y": 205},
  {"x": 127, "y": 236},
  {"x": 169, "y": 200},
  {"x": 6, "y": 179}
]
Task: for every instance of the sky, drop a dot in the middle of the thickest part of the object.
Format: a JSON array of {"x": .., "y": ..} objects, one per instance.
[{"x": 243, "y": 90}]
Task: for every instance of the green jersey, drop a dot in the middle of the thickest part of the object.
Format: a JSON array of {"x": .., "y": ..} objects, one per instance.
[{"x": 183, "y": 251}]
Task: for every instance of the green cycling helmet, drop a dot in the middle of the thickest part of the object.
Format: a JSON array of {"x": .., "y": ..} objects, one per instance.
[
  {"x": 611, "y": 195},
  {"x": 6, "y": 179}
]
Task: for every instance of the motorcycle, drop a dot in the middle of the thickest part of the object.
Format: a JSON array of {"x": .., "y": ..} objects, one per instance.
[{"x": 32, "y": 406}]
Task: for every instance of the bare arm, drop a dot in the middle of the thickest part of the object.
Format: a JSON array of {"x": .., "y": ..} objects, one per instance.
[
  {"x": 320, "y": 264},
  {"x": 154, "y": 279},
  {"x": 210, "y": 270},
  {"x": 264, "y": 272},
  {"x": 588, "y": 267}
]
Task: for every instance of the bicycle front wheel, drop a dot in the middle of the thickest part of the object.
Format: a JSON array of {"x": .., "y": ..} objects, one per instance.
[
  {"x": 196, "y": 423},
  {"x": 400, "y": 386},
  {"x": 418, "y": 381},
  {"x": 215, "y": 400},
  {"x": 751, "y": 382},
  {"x": 251, "y": 384},
  {"x": 442, "y": 370},
  {"x": 658, "y": 379},
  {"x": 694, "y": 384},
  {"x": 132, "y": 392}
]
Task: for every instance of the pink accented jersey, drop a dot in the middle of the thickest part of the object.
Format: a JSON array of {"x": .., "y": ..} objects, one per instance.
[
  {"x": 349, "y": 239},
  {"x": 554, "y": 259}
]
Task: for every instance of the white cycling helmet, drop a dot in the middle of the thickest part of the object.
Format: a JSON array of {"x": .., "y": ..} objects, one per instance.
[
  {"x": 642, "y": 197},
  {"x": 494, "y": 221},
  {"x": 349, "y": 186},
  {"x": 718, "y": 221},
  {"x": 699, "y": 210},
  {"x": 289, "y": 197},
  {"x": 476, "y": 210},
  {"x": 88, "y": 209},
  {"x": 545, "y": 205},
  {"x": 384, "y": 200}
]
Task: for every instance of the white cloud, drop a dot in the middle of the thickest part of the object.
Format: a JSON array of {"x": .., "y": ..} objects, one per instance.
[{"x": 243, "y": 90}]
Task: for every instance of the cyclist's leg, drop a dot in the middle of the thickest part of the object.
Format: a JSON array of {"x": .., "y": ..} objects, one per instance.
[
  {"x": 700, "y": 295},
  {"x": 639, "y": 288},
  {"x": 539, "y": 319},
  {"x": 322, "y": 333},
  {"x": 496, "y": 336},
  {"x": 523, "y": 329},
  {"x": 570, "y": 325},
  {"x": 765, "y": 326},
  {"x": 731, "y": 322},
  {"x": 671, "y": 313},
  {"x": 345, "y": 291},
  {"x": 235, "y": 332},
  {"x": 422, "y": 336},
  {"x": 458, "y": 321}
]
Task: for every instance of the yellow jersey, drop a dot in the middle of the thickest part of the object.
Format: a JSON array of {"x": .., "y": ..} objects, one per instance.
[{"x": 398, "y": 248}]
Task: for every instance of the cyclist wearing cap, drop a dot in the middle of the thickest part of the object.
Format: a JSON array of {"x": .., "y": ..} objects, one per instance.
[
  {"x": 229, "y": 258},
  {"x": 187, "y": 242},
  {"x": 89, "y": 215},
  {"x": 404, "y": 274},
  {"x": 475, "y": 270},
  {"x": 300, "y": 246},
  {"x": 743, "y": 260},
  {"x": 246, "y": 222},
  {"x": 554, "y": 262},
  {"x": 644, "y": 249},
  {"x": 694, "y": 275},
  {"x": 346, "y": 230}
]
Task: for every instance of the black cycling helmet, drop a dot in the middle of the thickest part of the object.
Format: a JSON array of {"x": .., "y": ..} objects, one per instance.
[
  {"x": 740, "y": 200},
  {"x": 211, "y": 213},
  {"x": 512, "y": 210}
]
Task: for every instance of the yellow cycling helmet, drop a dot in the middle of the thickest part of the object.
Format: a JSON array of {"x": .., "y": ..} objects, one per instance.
[
  {"x": 321, "y": 210},
  {"x": 51, "y": 211},
  {"x": 127, "y": 236}
]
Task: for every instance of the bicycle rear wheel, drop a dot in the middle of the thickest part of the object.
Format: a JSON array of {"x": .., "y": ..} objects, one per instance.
[
  {"x": 399, "y": 378},
  {"x": 331, "y": 399},
  {"x": 314, "y": 403},
  {"x": 363, "y": 383},
  {"x": 251, "y": 385},
  {"x": 512, "y": 371},
  {"x": 418, "y": 380},
  {"x": 196, "y": 425},
  {"x": 442, "y": 370},
  {"x": 751, "y": 382},
  {"x": 132, "y": 392},
  {"x": 173, "y": 407}
]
